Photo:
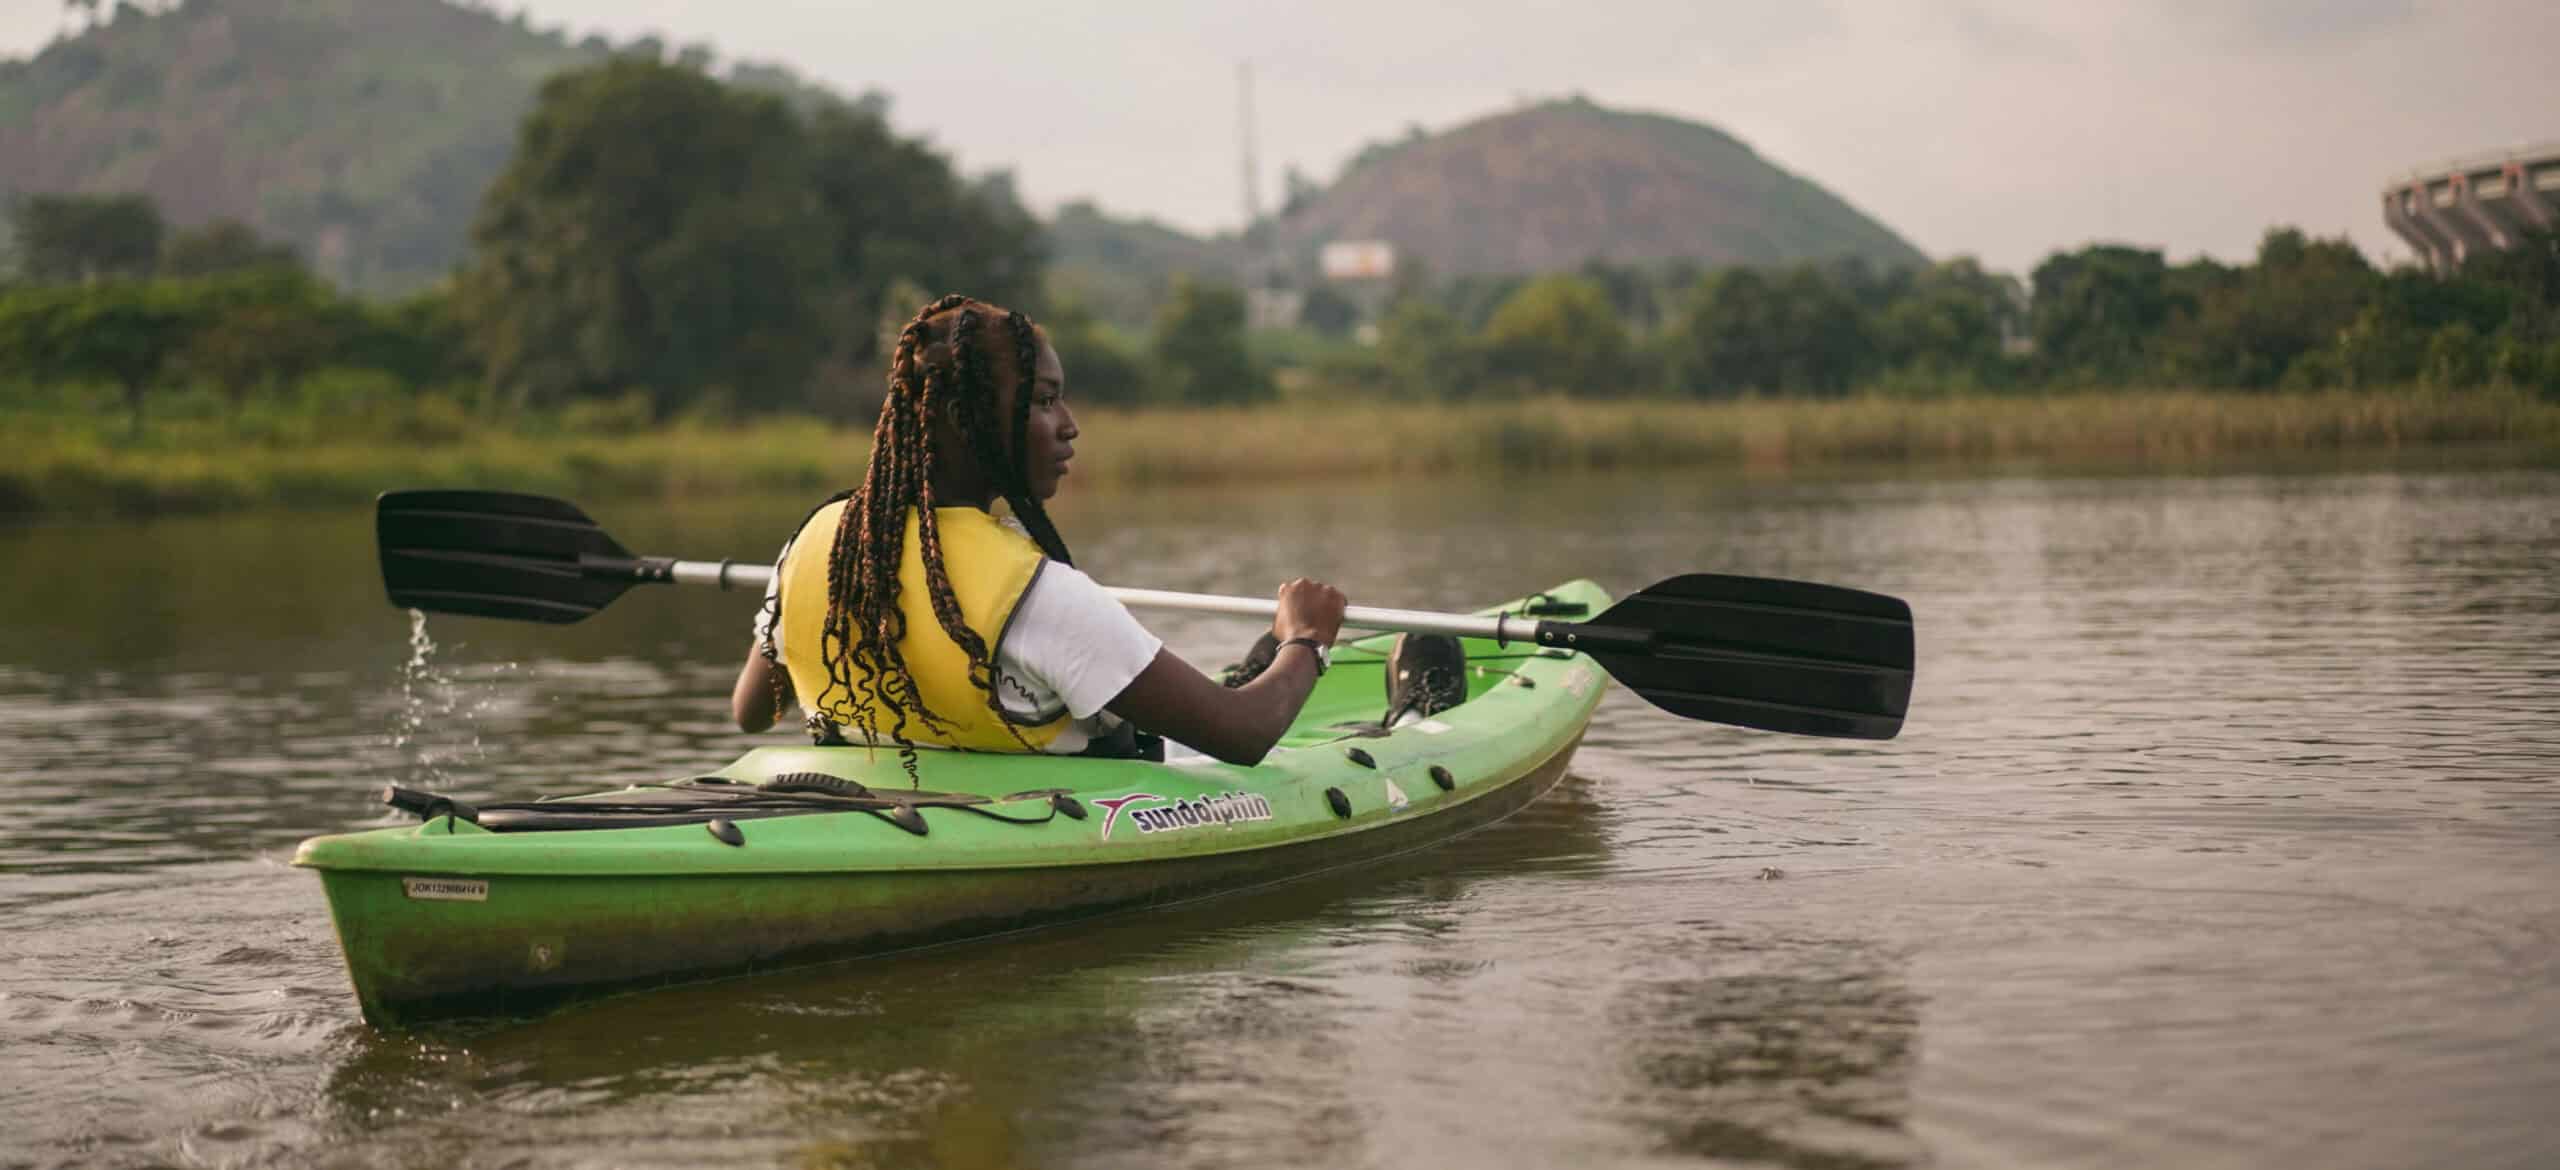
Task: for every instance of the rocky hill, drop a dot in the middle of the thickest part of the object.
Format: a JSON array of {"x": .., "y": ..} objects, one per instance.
[
  {"x": 363, "y": 131},
  {"x": 1553, "y": 185}
]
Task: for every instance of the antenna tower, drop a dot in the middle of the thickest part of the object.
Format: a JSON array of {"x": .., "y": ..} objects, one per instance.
[{"x": 1244, "y": 118}]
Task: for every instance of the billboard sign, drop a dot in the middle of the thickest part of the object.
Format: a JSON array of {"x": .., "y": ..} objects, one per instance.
[{"x": 1359, "y": 260}]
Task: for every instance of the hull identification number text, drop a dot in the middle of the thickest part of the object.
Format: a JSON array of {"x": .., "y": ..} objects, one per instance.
[{"x": 446, "y": 889}]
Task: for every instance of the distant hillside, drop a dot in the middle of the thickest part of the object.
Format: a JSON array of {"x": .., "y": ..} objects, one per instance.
[
  {"x": 363, "y": 131},
  {"x": 1122, "y": 269},
  {"x": 1553, "y": 185}
]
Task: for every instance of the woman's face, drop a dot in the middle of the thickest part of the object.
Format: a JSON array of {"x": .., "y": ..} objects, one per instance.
[{"x": 1051, "y": 432}]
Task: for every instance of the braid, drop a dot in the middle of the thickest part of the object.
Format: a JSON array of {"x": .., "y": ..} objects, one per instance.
[
  {"x": 946, "y": 603},
  {"x": 865, "y": 625}
]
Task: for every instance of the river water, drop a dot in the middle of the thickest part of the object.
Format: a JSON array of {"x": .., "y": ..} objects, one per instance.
[{"x": 2225, "y": 832}]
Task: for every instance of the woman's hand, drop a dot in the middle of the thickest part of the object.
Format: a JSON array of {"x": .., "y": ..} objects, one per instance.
[{"x": 1309, "y": 609}]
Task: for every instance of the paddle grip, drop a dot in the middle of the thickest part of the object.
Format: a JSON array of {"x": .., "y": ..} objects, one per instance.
[
  {"x": 427, "y": 806},
  {"x": 642, "y": 570},
  {"x": 1593, "y": 636}
]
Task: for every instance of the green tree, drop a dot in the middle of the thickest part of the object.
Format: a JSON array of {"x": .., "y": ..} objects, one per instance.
[
  {"x": 2527, "y": 343},
  {"x": 261, "y": 329},
  {"x": 2252, "y": 326},
  {"x": 1950, "y": 322},
  {"x": 2097, "y": 310},
  {"x": 224, "y": 246},
  {"x": 1559, "y": 333},
  {"x": 2457, "y": 356},
  {"x": 1831, "y": 342},
  {"x": 1426, "y": 351},
  {"x": 898, "y": 211},
  {"x": 1726, "y": 341},
  {"x": 1473, "y": 297},
  {"x": 1795, "y": 331},
  {"x": 2388, "y": 341},
  {"x": 1633, "y": 293},
  {"x": 1329, "y": 312},
  {"x": 119, "y": 332},
  {"x": 2530, "y": 271},
  {"x": 420, "y": 339},
  {"x": 67, "y": 238},
  {"x": 1101, "y": 368},
  {"x": 2514, "y": 361},
  {"x": 1199, "y": 347},
  {"x": 655, "y": 230}
]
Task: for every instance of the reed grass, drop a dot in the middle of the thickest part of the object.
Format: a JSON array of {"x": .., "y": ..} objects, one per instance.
[
  {"x": 78, "y": 474},
  {"x": 2119, "y": 429},
  {"x": 61, "y": 466}
]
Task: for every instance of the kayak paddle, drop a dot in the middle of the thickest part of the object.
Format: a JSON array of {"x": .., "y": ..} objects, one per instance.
[{"x": 1751, "y": 651}]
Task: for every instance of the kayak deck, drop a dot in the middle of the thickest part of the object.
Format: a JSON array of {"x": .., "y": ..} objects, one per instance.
[{"x": 448, "y": 917}]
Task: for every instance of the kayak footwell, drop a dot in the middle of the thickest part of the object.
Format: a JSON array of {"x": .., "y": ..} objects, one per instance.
[{"x": 433, "y": 947}]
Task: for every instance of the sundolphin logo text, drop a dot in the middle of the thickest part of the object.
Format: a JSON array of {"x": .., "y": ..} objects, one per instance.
[
  {"x": 1226, "y": 808},
  {"x": 1111, "y": 809}
]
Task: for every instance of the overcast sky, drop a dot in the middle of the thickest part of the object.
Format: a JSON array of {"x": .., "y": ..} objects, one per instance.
[{"x": 2000, "y": 128}]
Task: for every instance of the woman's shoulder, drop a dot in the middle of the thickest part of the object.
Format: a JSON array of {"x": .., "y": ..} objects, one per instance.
[
  {"x": 1079, "y": 640},
  {"x": 1069, "y": 585},
  {"x": 1063, "y": 596}
]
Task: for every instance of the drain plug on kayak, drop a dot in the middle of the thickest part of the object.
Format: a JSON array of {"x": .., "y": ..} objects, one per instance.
[
  {"x": 1340, "y": 803},
  {"x": 1441, "y": 777},
  {"x": 726, "y": 831}
]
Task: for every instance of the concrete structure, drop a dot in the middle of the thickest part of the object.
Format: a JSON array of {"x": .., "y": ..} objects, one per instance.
[{"x": 2468, "y": 205}]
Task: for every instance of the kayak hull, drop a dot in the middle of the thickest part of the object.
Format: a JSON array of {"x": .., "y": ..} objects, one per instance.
[
  {"x": 448, "y": 919},
  {"x": 413, "y": 962}
]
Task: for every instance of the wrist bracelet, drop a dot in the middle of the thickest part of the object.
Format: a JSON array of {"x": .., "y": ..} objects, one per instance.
[{"x": 1311, "y": 644}]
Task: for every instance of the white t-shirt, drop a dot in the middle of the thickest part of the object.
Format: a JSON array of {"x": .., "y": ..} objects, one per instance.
[{"x": 1070, "y": 646}]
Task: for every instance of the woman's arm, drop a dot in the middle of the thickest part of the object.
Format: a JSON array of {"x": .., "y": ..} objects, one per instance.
[
  {"x": 762, "y": 690},
  {"x": 1238, "y": 725}
]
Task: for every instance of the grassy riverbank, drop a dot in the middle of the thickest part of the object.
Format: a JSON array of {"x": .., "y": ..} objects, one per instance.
[{"x": 59, "y": 466}]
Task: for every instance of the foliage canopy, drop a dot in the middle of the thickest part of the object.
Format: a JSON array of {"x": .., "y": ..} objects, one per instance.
[{"x": 663, "y": 232}]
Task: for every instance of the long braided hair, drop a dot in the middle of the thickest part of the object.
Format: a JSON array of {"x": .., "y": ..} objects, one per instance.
[{"x": 946, "y": 369}]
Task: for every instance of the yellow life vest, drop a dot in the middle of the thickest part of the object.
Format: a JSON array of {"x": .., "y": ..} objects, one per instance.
[{"x": 990, "y": 567}]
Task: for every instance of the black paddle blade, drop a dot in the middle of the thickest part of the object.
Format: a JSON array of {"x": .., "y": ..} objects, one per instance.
[
  {"x": 1759, "y": 652},
  {"x": 495, "y": 554}
]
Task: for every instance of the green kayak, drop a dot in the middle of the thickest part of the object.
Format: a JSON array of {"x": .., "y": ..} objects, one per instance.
[{"x": 800, "y": 854}]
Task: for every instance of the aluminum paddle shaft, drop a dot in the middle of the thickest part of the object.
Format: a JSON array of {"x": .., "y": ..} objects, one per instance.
[
  {"x": 1791, "y": 656},
  {"x": 1504, "y": 628}
]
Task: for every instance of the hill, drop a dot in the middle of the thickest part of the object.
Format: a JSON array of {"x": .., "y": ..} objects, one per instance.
[
  {"x": 1553, "y": 185},
  {"x": 363, "y": 131},
  {"x": 1121, "y": 270}
]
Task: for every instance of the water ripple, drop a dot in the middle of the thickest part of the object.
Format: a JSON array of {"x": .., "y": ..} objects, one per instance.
[{"x": 2221, "y": 834}]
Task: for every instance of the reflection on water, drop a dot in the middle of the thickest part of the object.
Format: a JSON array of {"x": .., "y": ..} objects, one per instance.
[
  {"x": 2222, "y": 834},
  {"x": 1798, "y": 1057},
  {"x": 1208, "y": 1033}
]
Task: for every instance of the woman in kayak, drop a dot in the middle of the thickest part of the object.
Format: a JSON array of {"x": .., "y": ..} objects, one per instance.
[{"x": 903, "y": 612}]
